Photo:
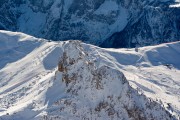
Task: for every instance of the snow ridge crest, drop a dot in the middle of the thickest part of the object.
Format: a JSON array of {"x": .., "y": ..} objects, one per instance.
[{"x": 95, "y": 92}]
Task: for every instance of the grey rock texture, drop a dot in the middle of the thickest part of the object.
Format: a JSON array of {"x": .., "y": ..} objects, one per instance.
[{"x": 107, "y": 23}]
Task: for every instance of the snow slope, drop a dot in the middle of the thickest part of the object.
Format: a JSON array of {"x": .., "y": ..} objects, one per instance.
[
  {"x": 153, "y": 70},
  {"x": 72, "y": 80}
]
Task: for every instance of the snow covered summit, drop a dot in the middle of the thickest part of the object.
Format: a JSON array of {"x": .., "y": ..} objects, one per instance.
[{"x": 72, "y": 80}]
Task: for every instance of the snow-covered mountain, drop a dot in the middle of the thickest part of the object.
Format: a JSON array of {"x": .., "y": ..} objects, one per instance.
[
  {"x": 108, "y": 23},
  {"x": 46, "y": 80}
]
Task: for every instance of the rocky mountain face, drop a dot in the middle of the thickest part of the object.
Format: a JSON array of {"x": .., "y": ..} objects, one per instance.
[
  {"x": 71, "y": 80},
  {"x": 98, "y": 92},
  {"x": 152, "y": 23},
  {"x": 107, "y": 23}
]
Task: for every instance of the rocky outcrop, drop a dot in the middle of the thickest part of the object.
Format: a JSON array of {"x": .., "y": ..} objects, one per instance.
[{"x": 98, "y": 92}]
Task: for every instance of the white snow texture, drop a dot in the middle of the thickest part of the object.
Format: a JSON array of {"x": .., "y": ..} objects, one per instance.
[{"x": 71, "y": 80}]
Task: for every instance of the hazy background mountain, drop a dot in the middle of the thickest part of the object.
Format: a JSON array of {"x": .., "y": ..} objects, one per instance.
[{"x": 107, "y": 23}]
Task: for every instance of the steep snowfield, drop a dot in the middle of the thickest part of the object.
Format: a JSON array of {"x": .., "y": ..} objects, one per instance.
[
  {"x": 26, "y": 62},
  {"x": 73, "y": 80}
]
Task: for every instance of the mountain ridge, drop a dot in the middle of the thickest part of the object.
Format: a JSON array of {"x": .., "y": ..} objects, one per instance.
[
  {"x": 106, "y": 23},
  {"x": 74, "y": 80}
]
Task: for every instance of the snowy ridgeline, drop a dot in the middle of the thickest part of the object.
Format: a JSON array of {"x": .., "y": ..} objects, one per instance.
[{"x": 72, "y": 80}]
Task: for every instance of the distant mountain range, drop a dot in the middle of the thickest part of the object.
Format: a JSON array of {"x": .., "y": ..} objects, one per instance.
[{"x": 106, "y": 23}]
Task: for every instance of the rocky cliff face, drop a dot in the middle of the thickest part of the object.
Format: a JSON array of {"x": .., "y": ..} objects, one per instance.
[
  {"x": 108, "y": 23},
  {"x": 151, "y": 23}
]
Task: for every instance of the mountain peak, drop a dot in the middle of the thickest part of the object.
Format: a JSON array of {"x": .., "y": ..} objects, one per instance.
[
  {"x": 98, "y": 92},
  {"x": 73, "y": 80}
]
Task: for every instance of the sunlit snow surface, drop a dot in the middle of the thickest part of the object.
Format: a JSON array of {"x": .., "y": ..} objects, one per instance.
[
  {"x": 154, "y": 69},
  {"x": 28, "y": 66}
]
